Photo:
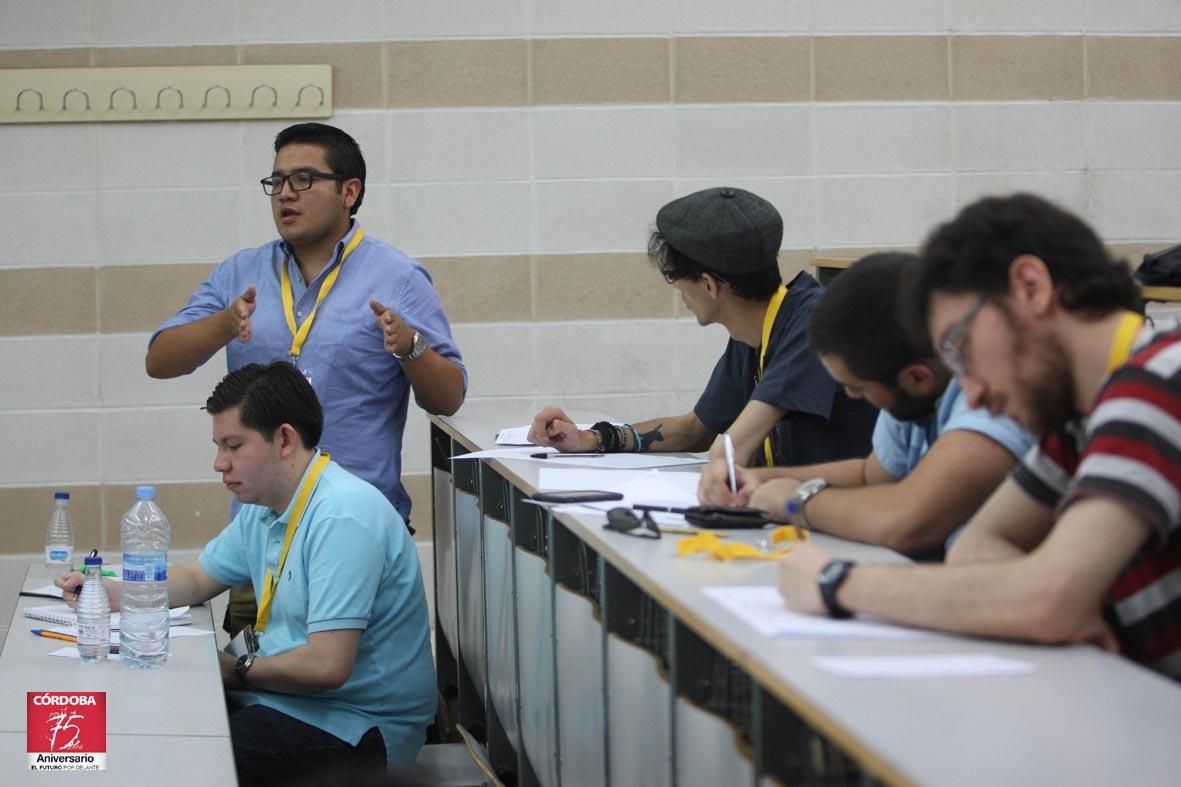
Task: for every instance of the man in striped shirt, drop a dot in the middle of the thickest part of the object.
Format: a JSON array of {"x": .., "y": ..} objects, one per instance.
[{"x": 1083, "y": 541}]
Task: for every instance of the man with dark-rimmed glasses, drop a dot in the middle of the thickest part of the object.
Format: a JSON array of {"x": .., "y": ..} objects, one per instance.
[
  {"x": 357, "y": 316},
  {"x": 1083, "y": 541}
]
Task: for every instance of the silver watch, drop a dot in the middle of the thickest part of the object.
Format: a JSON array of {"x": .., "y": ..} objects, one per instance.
[
  {"x": 804, "y": 492},
  {"x": 417, "y": 348}
]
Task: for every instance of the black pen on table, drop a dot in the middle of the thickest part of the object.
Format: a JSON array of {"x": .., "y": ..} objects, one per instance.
[{"x": 563, "y": 456}]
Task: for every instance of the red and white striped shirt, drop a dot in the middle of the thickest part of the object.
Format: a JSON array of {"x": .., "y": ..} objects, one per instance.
[{"x": 1129, "y": 450}]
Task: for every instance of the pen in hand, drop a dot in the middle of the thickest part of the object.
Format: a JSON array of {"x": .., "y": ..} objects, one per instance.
[{"x": 728, "y": 445}]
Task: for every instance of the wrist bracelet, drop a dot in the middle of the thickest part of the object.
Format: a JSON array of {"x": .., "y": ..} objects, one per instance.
[
  {"x": 636, "y": 446},
  {"x": 608, "y": 437}
]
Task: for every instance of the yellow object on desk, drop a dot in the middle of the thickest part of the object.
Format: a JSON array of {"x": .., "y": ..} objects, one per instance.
[{"x": 736, "y": 550}]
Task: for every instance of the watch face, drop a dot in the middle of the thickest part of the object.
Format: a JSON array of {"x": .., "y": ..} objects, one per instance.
[{"x": 831, "y": 571}]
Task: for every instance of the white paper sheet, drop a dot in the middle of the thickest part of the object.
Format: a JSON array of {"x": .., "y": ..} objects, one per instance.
[
  {"x": 923, "y": 666},
  {"x": 623, "y": 461},
  {"x": 654, "y": 488},
  {"x": 519, "y": 435},
  {"x": 594, "y": 461},
  {"x": 521, "y": 452},
  {"x": 762, "y": 608},
  {"x": 71, "y": 652}
]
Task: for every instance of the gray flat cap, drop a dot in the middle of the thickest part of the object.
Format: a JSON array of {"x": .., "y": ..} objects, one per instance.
[{"x": 727, "y": 230}]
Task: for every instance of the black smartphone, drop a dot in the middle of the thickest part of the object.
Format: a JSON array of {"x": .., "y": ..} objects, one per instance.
[
  {"x": 576, "y": 496},
  {"x": 726, "y": 517}
]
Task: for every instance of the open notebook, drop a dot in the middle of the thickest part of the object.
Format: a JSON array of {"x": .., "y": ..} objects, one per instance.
[{"x": 62, "y": 615}]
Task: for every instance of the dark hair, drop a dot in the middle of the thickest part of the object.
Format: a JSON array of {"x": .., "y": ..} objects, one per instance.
[
  {"x": 973, "y": 253},
  {"x": 341, "y": 152},
  {"x": 672, "y": 264},
  {"x": 270, "y": 396},
  {"x": 859, "y": 318}
]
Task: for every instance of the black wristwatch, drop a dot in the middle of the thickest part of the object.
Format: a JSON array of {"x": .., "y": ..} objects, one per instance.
[
  {"x": 242, "y": 666},
  {"x": 830, "y": 579}
]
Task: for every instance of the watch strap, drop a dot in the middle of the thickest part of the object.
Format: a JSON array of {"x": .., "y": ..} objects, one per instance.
[
  {"x": 417, "y": 348},
  {"x": 797, "y": 503},
  {"x": 829, "y": 580},
  {"x": 242, "y": 666}
]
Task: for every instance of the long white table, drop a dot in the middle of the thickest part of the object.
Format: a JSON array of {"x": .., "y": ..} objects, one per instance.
[
  {"x": 583, "y": 656},
  {"x": 170, "y": 722}
]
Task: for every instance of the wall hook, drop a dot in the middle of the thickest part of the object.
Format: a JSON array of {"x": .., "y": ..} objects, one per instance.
[
  {"x": 85, "y": 95},
  {"x": 274, "y": 92},
  {"x": 208, "y": 90},
  {"x": 111, "y": 99},
  {"x": 179, "y": 95},
  {"x": 40, "y": 98},
  {"x": 299, "y": 96}
]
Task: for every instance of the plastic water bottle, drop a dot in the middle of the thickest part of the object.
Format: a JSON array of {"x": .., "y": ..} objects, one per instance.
[
  {"x": 143, "y": 614},
  {"x": 94, "y": 613},
  {"x": 59, "y": 538}
]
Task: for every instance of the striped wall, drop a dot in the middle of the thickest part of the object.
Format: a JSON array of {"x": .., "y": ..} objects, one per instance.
[{"x": 521, "y": 149}]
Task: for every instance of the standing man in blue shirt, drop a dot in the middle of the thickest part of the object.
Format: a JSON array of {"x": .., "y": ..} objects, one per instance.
[
  {"x": 343, "y": 677},
  {"x": 935, "y": 460},
  {"x": 718, "y": 247},
  {"x": 357, "y": 316}
]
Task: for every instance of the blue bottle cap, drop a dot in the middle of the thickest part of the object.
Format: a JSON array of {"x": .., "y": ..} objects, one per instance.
[
  {"x": 145, "y": 492},
  {"x": 61, "y": 495},
  {"x": 93, "y": 560}
]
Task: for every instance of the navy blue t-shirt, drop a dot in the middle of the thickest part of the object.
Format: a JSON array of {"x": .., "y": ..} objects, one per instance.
[{"x": 820, "y": 423}]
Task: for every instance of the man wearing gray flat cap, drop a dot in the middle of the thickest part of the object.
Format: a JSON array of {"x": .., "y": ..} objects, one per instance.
[{"x": 719, "y": 248}]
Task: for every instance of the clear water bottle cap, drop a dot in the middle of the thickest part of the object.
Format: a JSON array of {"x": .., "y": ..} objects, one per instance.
[
  {"x": 145, "y": 492},
  {"x": 93, "y": 560},
  {"x": 61, "y": 495}
]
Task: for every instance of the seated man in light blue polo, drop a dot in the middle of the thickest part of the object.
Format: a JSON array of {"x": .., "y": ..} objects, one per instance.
[
  {"x": 934, "y": 459},
  {"x": 343, "y": 678}
]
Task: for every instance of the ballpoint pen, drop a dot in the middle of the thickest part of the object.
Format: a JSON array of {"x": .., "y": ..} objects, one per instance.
[
  {"x": 728, "y": 444},
  {"x": 563, "y": 456},
  {"x": 55, "y": 635},
  {"x": 66, "y": 637}
]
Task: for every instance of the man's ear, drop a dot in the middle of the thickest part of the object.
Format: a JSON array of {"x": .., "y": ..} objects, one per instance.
[
  {"x": 1030, "y": 286},
  {"x": 917, "y": 379},
  {"x": 713, "y": 285},
  {"x": 289, "y": 440},
  {"x": 352, "y": 191}
]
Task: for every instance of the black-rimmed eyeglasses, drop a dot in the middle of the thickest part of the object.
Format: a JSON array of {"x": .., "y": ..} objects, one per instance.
[
  {"x": 954, "y": 346},
  {"x": 624, "y": 520},
  {"x": 300, "y": 180}
]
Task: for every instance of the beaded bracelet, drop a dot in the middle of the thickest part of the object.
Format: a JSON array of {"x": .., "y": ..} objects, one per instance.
[{"x": 637, "y": 446}]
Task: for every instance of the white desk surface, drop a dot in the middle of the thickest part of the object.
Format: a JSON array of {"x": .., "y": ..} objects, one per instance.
[
  {"x": 178, "y": 709},
  {"x": 1082, "y": 717},
  {"x": 132, "y": 759}
]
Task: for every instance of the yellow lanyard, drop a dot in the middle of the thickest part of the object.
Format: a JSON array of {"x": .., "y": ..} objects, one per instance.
[
  {"x": 768, "y": 324},
  {"x": 300, "y": 335},
  {"x": 1125, "y": 337},
  {"x": 301, "y": 502}
]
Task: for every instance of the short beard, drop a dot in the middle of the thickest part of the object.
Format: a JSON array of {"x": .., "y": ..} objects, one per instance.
[
  {"x": 911, "y": 408},
  {"x": 1043, "y": 381}
]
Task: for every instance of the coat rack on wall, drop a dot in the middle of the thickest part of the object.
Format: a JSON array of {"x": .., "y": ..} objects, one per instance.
[{"x": 96, "y": 95}]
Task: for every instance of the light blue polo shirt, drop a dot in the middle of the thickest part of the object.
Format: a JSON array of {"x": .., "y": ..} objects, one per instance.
[
  {"x": 900, "y": 445},
  {"x": 363, "y": 389},
  {"x": 352, "y": 565}
]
